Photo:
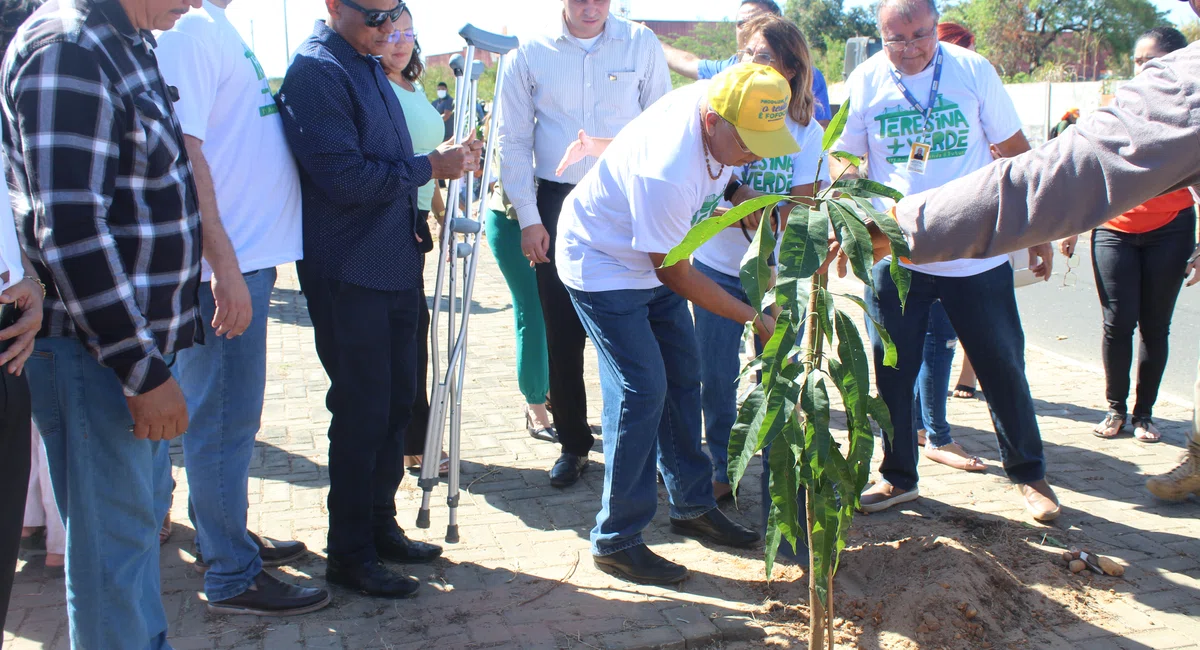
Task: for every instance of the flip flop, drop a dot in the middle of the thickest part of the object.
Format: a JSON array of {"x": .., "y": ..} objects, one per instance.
[
  {"x": 1145, "y": 431},
  {"x": 164, "y": 533},
  {"x": 963, "y": 391},
  {"x": 953, "y": 455},
  {"x": 1111, "y": 427}
]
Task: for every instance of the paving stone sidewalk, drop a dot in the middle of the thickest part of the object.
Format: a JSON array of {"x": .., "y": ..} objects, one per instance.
[{"x": 522, "y": 576}]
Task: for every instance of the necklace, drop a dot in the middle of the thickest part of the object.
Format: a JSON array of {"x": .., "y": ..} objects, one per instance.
[{"x": 704, "y": 142}]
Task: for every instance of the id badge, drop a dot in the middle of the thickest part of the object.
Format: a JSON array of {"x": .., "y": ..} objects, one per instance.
[{"x": 918, "y": 157}]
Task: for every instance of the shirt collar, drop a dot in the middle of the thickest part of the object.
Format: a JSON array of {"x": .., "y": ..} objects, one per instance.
[
  {"x": 120, "y": 21},
  {"x": 340, "y": 47},
  {"x": 614, "y": 28}
]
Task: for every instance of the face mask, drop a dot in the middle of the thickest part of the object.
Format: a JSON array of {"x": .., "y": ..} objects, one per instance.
[{"x": 441, "y": 94}]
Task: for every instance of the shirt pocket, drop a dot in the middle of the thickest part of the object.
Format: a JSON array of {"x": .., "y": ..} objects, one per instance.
[
  {"x": 158, "y": 148},
  {"x": 620, "y": 93}
]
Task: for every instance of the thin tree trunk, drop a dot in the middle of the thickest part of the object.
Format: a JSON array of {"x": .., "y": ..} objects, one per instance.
[{"x": 817, "y": 619}]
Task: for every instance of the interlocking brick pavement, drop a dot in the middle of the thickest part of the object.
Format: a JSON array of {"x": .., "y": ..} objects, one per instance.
[{"x": 522, "y": 577}]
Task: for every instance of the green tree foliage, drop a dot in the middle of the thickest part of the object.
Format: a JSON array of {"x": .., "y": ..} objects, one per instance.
[
  {"x": 1019, "y": 34},
  {"x": 826, "y": 22},
  {"x": 435, "y": 74},
  {"x": 831, "y": 61},
  {"x": 1191, "y": 29},
  {"x": 816, "y": 349},
  {"x": 708, "y": 41}
]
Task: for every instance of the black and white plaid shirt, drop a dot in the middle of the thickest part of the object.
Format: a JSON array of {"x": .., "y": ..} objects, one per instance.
[{"x": 102, "y": 188}]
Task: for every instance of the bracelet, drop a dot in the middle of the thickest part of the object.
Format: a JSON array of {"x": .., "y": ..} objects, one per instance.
[
  {"x": 1195, "y": 254},
  {"x": 39, "y": 282}
]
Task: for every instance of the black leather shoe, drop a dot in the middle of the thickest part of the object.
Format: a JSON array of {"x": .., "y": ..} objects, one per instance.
[
  {"x": 715, "y": 527},
  {"x": 393, "y": 546},
  {"x": 371, "y": 578},
  {"x": 567, "y": 470},
  {"x": 640, "y": 564},
  {"x": 270, "y": 596},
  {"x": 273, "y": 553}
]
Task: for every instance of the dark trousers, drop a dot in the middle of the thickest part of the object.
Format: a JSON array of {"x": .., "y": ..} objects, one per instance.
[
  {"x": 14, "y": 475},
  {"x": 366, "y": 340},
  {"x": 565, "y": 337},
  {"x": 414, "y": 438},
  {"x": 983, "y": 310},
  {"x": 1138, "y": 277}
]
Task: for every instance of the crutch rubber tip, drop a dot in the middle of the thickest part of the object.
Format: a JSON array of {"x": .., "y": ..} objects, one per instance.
[
  {"x": 451, "y": 534},
  {"x": 423, "y": 518}
]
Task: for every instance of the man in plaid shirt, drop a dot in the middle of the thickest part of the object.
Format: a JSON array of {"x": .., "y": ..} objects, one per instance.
[{"x": 106, "y": 208}]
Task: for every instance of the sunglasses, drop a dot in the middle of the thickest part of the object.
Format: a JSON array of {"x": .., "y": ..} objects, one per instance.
[
  {"x": 402, "y": 36},
  {"x": 375, "y": 17}
]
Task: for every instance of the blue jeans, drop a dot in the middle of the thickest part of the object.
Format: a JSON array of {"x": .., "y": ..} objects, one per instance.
[
  {"x": 983, "y": 310},
  {"x": 650, "y": 384},
  {"x": 223, "y": 381},
  {"x": 933, "y": 382},
  {"x": 720, "y": 365},
  {"x": 105, "y": 482}
]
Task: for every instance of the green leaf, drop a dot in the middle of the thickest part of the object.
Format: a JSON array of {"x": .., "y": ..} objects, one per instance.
[
  {"x": 901, "y": 276},
  {"x": 862, "y": 187},
  {"x": 707, "y": 229},
  {"x": 848, "y": 157},
  {"x": 853, "y": 358},
  {"x": 824, "y": 308},
  {"x": 756, "y": 270},
  {"x": 772, "y": 537},
  {"x": 801, "y": 252},
  {"x": 836, "y": 126},
  {"x": 824, "y": 522},
  {"x": 889, "y": 348},
  {"x": 814, "y": 401},
  {"x": 781, "y": 341},
  {"x": 785, "y": 480},
  {"x": 744, "y": 434},
  {"x": 878, "y": 410},
  {"x": 855, "y": 239}
]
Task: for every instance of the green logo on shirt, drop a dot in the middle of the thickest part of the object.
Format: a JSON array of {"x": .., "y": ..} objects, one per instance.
[
  {"x": 706, "y": 210},
  {"x": 269, "y": 109},
  {"x": 258, "y": 69},
  {"x": 770, "y": 176},
  {"x": 947, "y": 133}
]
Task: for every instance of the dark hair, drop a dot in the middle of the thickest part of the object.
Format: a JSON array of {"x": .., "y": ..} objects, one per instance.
[
  {"x": 1168, "y": 39},
  {"x": 955, "y": 34},
  {"x": 791, "y": 48},
  {"x": 12, "y": 14},
  {"x": 442, "y": 84},
  {"x": 415, "y": 67},
  {"x": 768, "y": 5}
]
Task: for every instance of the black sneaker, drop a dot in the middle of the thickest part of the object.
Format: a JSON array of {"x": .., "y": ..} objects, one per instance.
[
  {"x": 371, "y": 578},
  {"x": 270, "y": 596},
  {"x": 273, "y": 553},
  {"x": 640, "y": 564}
]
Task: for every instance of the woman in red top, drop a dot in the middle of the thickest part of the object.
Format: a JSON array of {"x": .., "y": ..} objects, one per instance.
[{"x": 1140, "y": 261}]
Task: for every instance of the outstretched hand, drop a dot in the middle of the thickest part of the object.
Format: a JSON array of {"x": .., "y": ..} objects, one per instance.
[{"x": 582, "y": 147}]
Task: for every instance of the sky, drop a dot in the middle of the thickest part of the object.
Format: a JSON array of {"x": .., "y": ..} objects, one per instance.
[{"x": 261, "y": 22}]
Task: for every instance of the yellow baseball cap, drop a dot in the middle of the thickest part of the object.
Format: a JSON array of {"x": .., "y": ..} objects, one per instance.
[{"x": 754, "y": 99}]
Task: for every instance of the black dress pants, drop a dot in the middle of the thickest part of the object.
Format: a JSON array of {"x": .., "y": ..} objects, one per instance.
[
  {"x": 565, "y": 338},
  {"x": 14, "y": 468}
]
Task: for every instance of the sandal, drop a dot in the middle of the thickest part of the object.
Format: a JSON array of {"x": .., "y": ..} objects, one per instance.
[
  {"x": 164, "y": 533},
  {"x": 963, "y": 391},
  {"x": 538, "y": 432},
  {"x": 953, "y": 455},
  {"x": 1111, "y": 427},
  {"x": 1145, "y": 431},
  {"x": 921, "y": 439},
  {"x": 413, "y": 465}
]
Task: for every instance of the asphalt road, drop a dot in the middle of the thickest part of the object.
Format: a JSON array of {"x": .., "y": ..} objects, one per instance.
[{"x": 1066, "y": 320}]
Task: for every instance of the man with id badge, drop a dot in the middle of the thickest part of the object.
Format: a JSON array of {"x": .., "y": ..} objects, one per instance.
[{"x": 923, "y": 113}]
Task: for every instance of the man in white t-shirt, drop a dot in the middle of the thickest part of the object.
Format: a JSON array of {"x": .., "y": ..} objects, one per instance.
[
  {"x": 923, "y": 114},
  {"x": 664, "y": 172},
  {"x": 249, "y": 195}
]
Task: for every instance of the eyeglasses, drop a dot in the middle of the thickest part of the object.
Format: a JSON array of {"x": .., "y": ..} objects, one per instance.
[
  {"x": 405, "y": 36},
  {"x": 375, "y": 17},
  {"x": 762, "y": 57},
  {"x": 897, "y": 47},
  {"x": 737, "y": 137}
]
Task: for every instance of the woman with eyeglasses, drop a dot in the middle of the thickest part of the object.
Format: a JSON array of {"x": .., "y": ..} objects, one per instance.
[
  {"x": 402, "y": 64},
  {"x": 1140, "y": 260}
]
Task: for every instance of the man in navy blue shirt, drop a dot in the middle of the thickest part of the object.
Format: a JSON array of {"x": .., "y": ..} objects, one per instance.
[
  {"x": 693, "y": 67},
  {"x": 362, "y": 276}
]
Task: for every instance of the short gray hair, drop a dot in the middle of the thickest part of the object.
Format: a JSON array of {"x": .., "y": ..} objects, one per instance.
[{"x": 907, "y": 8}]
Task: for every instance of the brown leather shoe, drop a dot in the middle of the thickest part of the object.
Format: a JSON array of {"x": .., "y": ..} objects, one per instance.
[
  {"x": 884, "y": 495},
  {"x": 1040, "y": 500}
]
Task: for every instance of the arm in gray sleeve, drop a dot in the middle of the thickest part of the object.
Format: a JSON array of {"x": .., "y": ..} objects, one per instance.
[
  {"x": 515, "y": 140},
  {"x": 1145, "y": 145}
]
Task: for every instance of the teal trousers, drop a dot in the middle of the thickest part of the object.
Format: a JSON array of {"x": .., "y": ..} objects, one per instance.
[{"x": 533, "y": 359}]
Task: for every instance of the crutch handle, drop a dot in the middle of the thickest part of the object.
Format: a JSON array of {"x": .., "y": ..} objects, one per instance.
[
  {"x": 458, "y": 64},
  {"x": 463, "y": 250},
  {"x": 476, "y": 70},
  {"x": 488, "y": 41},
  {"x": 465, "y": 226}
]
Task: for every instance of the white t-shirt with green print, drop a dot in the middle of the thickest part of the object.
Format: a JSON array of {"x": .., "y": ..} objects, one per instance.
[
  {"x": 972, "y": 110},
  {"x": 225, "y": 102},
  {"x": 648, "y": 188}
]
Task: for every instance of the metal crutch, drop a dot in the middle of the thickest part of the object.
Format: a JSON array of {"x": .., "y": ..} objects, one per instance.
[{"x": 446, "y": 394}]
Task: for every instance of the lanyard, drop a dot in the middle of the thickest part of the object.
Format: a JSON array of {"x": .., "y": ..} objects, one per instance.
[{"x": 927, "y": 110}]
